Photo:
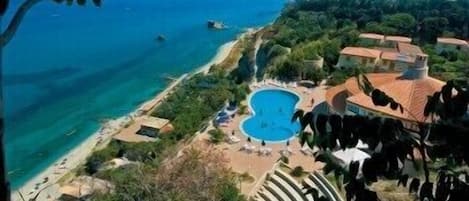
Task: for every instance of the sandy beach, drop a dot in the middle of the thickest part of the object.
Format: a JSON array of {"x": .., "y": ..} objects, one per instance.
[{"x": 47, "y": 180}]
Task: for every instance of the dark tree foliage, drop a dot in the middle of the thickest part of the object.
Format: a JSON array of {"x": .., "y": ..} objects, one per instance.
[
  {"x": 423, "y": 19},
  {"x": 390, "y": 144}
]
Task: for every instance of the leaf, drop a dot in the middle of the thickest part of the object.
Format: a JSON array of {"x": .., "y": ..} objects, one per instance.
[
  {"x": 394, "y": 105},
  {"x": 335, "y": 122},
  {"x": 364, "y": 84},
  {"x": 313, "y": 192},
  {"x": 430, "y": 107},
  {"x": 369, "y": 170},
  {"x": 367, "y": 195},
  {"x": 322, "y": 198},
  {"x": 379, "y": 98},
  {"x": 401, "y": 108},
  {"x": 306, "y": 119},
  {"x": 337, "y": 174},
  {"x": 443, "y": 187},
  {"x": 447, "y": 91},
  {"x": 302, "y": 139},
  {"x": 297, "y": 115},
  {"x": 321, "y": 122},
  {"x": 403, "y": 180},
  {"x": 3, "y": 7},
  {"x": 426, "y": 192},
  {"x": 414, "y": 185},
  {"x": 353, "y": 168}
]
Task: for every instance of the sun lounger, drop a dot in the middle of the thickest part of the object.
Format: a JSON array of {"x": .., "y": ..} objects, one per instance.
[
  {"x": 268, "y": 151},
  {"x": 265, "y": 151},
  {"x": 248, "y": 148},
  {"x": 234, "y": 139},
  {"x": 252, "y": 148},
  {"x": 245, "y": 147}
]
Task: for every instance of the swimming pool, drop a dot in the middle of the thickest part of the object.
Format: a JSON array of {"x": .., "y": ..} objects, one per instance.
[{"x": 272, "y": 110}]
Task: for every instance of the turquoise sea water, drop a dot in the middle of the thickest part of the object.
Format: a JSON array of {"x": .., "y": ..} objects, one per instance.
[
  {"x": 68, "y": 68},
  {"x": 270, "y": 121}
]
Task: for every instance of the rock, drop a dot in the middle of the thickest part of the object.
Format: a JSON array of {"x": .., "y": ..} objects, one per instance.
[
  {"x": 161, "y": 38},
  {"x": 215, "y": 24}
]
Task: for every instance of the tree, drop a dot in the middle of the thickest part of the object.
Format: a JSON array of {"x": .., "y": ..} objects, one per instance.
[
  {"x": 216, "y": 135},
  {"x": 316, "y": 75},
  {"x": 196, "y": 176},
  {"x": 432, "y": 27},
  {"x": 403, "y": 23}
]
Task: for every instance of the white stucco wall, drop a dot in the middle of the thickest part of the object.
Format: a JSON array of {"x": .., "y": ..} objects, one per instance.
[
  {"x": 347, "y": 61},
  {"x": 393, "y": 66}
]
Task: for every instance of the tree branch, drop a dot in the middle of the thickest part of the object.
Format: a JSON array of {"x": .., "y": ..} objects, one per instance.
[{"x": 10, "y": 31}]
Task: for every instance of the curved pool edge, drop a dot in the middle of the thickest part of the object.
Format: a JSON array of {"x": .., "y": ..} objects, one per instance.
[{"x": 253, "y": 113}]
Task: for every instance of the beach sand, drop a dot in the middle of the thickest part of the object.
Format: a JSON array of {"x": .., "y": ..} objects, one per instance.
[{"x": 101, "y": 138}]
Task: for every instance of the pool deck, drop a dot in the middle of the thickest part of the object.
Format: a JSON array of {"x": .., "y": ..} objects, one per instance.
[{"x": 257, "y": 166}]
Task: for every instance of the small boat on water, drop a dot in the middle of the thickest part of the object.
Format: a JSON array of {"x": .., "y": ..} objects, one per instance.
[{"x": 212, "y": 24}]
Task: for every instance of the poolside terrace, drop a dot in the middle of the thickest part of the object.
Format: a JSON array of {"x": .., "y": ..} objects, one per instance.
[{"x": 258, "y": 165}]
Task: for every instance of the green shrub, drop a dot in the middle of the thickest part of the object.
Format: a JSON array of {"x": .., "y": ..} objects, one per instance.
[
  {"x": 97, "y": 158},
  {"x": 243, "y": 109},
  {"x": 216, "y": 136}
]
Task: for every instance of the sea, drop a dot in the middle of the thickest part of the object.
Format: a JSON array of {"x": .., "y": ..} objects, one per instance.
[{"x": 69, "y": 68}]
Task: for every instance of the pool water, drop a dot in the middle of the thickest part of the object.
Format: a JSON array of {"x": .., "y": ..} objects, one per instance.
[{"x": 272, "y": 110}]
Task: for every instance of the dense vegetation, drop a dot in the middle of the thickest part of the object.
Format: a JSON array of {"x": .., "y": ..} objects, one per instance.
[
  {"x": 312, "y": 28},
  {"x": 245, "y": 70},
  {"x": 196, "y": 176},
  {"x": 189, "y": 108}
]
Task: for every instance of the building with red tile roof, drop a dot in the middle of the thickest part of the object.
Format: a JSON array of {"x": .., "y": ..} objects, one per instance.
[
  {"x": 451, "y": 44},
  {"x": 380, "y": 59},
  {"x": 353, "y": 56},
  {"x": 397, "y": 39},
  {"x": 409, "y": 88}
]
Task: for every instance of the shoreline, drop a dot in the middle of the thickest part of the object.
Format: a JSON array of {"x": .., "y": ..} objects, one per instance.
[{"x": 77, "y": 156}]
